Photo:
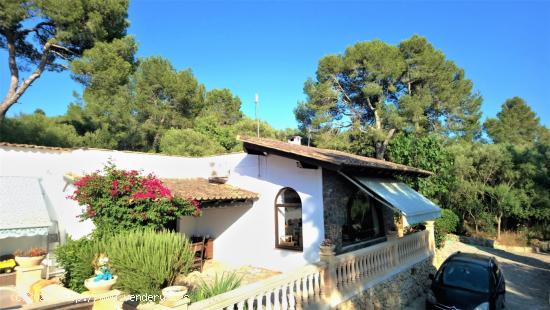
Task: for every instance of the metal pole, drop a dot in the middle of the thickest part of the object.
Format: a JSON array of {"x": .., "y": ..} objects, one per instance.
[{"x": 256, "y": 103}]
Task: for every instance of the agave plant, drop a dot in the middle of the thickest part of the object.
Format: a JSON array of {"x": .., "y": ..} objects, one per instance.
[{"x": 221, "y": 284}]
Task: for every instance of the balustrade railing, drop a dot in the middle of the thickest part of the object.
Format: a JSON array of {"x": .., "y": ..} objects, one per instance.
[{"x": 314, "y": 284}]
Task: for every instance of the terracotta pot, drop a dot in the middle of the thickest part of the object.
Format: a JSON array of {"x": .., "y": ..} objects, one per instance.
[
  {"x": 29, "y": 261},
  {"x": 101, "y": 286},
  {"x": 174, "y": 293}
]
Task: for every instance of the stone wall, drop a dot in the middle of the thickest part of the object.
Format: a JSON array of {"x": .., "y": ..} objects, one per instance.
[
  {"x": 337, "y": 191},
  {"x": 336, "y": 194},
  {"x": 396, "y": 292}
]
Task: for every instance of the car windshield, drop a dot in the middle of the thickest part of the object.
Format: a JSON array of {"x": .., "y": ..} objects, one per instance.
[{"x": 466, "y": 276}]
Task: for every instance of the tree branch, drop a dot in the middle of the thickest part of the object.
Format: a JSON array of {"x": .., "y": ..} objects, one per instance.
[
  {"x": 14, "y": 71},
  {"x": 342, "y": 89},
  {"x": 37, "y": 72},
  {"x": 388, "y": 137},
  {"x": 38, "y": 26},
  {"x": 15, "y": 92}
]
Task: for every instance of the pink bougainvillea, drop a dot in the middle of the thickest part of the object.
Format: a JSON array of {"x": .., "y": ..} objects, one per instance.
[{"x": 120, "y": 199}]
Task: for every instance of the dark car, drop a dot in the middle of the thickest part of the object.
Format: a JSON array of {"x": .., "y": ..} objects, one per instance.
[{"x": 467, "y": 282}]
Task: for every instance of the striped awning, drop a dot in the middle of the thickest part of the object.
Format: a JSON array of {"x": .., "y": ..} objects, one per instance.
[
  {"x": 414, "y": 207},
  {"x": 23, "y": 210}
]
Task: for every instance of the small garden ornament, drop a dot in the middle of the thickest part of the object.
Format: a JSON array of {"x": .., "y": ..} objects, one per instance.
[{"x": 104, "y": 278}]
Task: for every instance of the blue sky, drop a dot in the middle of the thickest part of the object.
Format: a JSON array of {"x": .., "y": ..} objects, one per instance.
[{"x": 271, "y": 48}]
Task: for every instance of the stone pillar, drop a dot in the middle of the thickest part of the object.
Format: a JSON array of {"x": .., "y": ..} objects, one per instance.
[
  {"x": 431, "y": 236},
  {"x": 327, "y": 256},
  {"x": 400, "y": 226},
  {"x": 27, "y": 276}
]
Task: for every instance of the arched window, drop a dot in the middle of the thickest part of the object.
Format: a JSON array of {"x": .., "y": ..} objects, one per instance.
[{"x": 288, "y": 220}]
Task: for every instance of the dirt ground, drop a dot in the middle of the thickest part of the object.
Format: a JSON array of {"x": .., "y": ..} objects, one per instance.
[
  {"x": 248, "y": 274},
  {"x": 527, "y": 275}
]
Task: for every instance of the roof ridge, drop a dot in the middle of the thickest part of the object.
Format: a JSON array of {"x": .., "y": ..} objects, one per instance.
[
  {"x": 328, "y": 155},
  {"x": 59, "y": 148}
]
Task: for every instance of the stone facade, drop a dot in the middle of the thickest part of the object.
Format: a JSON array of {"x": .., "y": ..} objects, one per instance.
[
  {"x": 395, "y": 293},
  {"x": 337, "y": 192}
]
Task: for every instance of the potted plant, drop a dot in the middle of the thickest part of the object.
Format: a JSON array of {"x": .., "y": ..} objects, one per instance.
[
  {"x": 173, "y": 294},
  {"x": 104, "y": 279},
  {"x": 327, "y": 247},
  {"x": 32, "y": 257}
]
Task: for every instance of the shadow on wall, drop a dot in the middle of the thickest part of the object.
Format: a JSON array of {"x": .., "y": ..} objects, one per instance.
[
  {"x": 214, "y": 221},
  {"x": 278, "y": 173}
]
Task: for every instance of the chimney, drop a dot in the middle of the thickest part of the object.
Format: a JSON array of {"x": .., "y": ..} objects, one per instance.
[{"x": 295, "y": 140}]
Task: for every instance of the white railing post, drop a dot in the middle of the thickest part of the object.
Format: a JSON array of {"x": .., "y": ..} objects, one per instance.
[
  {"x": 395, "y": 253},
  {"x": 330, "y": 281},
  {"x": 431, "y": 236}
]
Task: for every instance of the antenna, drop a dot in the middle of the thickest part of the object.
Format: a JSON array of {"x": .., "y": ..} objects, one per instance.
[{"x": 256, "y": 104}]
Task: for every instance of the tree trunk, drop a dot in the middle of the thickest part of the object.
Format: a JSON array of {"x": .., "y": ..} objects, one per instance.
[
  {"x": 3, "y": 111},
  {"x": 475, "y": 224},
  {"x": 380, "y": 150},
  {"x": 381, "y": 146},
  {"x": 499, "y": 220},
  {"x": 16, "y": 90}
]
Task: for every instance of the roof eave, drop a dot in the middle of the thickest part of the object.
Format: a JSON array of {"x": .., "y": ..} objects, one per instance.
[{"x": 256, "y": 149}]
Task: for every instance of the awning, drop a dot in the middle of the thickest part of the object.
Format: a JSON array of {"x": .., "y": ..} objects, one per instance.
[
  {"x": 400, "y": 197},
  {"x": 23, "y": 210}
]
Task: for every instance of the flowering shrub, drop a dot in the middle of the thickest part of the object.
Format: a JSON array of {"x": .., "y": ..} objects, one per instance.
[{"x": 118, "y": 200}]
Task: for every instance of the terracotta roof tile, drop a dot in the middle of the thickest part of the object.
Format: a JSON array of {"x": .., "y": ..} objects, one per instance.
[
  {"x": 202, "y": 190},
  {"x": 32, "y": 146},
  {"x": 333, "y": 158}
]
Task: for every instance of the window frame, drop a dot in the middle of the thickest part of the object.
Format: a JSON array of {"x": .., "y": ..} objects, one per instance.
[
  {"x": 380, "y": 218},
  {"x": 288, "y": 205}
]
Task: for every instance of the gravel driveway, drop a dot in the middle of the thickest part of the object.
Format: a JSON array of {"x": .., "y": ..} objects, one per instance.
[{"x": 527, "y": 275}]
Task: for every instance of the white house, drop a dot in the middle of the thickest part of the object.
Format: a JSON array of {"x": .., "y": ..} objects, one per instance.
[{"x": 281, "y": 200}]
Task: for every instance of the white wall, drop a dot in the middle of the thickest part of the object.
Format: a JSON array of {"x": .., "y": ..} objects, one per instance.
[
  {"x": 50, "y": 166},
  {"x": 244, "y": 235}
]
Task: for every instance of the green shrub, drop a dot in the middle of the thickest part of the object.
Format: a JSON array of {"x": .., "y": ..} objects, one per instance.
[
  {"x": 446, "y": 224},
  {"x": 76, "y": 258},
  {"x": 188, "y": 142},
  {"x": 146, "y": 261},
  {"x": 225, "y": 283}
]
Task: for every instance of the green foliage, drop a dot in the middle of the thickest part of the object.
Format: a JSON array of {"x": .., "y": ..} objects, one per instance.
[
  {"x": 48, "y": 34},
  {"x": 119, "y": 200},
  {"x": 516, "y": 123},
  {"x": 146, "y": 261},
  {"x": 106, "y": 66},
  {"x": 374, "y": 90},
  {"x": 224, "y": 283},
  {"x": 446, "y": 224},
  {"x": 38, "y": 129},
  {"x": 188, "y": 142},
  {"x": 76, "y": 257},
  {"x": 430, "y": 153},
  {"x": 221, "y": 104}
]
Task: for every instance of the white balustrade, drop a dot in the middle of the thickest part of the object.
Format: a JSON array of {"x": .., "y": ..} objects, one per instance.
[{"x": 315, "y": 283}]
